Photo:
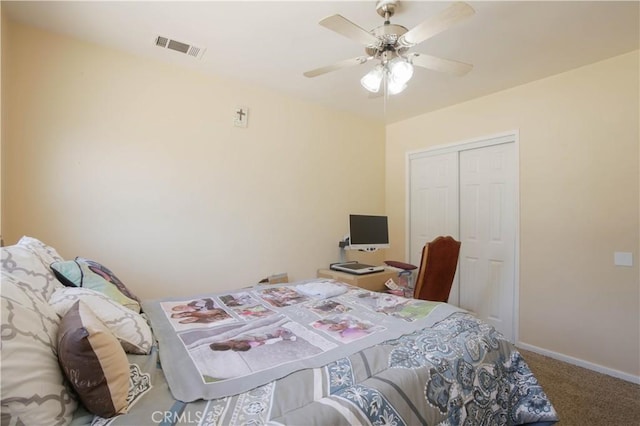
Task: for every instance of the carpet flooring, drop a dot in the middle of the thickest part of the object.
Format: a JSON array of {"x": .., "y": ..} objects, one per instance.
[{"x": 584, "y": 397}]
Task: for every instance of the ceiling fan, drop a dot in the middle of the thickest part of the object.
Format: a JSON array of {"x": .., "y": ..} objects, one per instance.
[{"x": 390, "y": 44}]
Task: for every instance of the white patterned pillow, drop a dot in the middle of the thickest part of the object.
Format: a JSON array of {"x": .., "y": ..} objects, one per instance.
[
  {"x": 29, "y": 261},
  {"x": 33, "y": 386},
  {"x": 129, "y": 327}
]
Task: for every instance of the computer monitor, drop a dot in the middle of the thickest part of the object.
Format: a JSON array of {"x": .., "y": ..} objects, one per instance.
[{"x": 368, "y": 232}]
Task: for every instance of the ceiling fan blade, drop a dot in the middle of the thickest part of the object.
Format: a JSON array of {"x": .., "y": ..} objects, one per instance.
[
  {"x": 345, "y": 27},
  {"x": 439, "y": 64},
  {"x": 455, "y": 13},
  {"x": 338, "y": 65}
]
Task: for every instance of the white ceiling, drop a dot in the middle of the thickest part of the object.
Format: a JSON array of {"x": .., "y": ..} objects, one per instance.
[{"x": 271, "y": 43}]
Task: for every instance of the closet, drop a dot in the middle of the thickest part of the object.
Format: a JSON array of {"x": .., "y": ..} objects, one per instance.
[{"x": 469, "y": 190}]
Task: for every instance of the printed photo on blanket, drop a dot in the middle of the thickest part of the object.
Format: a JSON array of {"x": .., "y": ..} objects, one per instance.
[
  {"x": 410, "y": 310},
  {"x": 236, "y": 300},
  {"x": 346, "y": 328},
  {"x": 252, "y": 312},
  {"x": 328, "y": 307},
  {"x": 396, "y": 306},
  {"x": 282, "y": 296},
  {"x": 236, "y": 350},
  {"x": 195, "y": 314},
  {"x": 245, "y": 305}
]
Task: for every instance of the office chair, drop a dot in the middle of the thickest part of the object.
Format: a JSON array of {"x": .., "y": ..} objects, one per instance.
[{"x": 437, "y": 269}]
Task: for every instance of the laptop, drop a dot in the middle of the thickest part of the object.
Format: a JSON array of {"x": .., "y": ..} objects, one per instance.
[{"x": 356, "y": 268}]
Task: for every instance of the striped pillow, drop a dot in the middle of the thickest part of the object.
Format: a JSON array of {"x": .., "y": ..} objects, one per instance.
[{"x": 93, "y": 361}]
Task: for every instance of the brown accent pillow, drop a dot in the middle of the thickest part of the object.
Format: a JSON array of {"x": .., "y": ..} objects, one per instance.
[{"x": 93, "y": 361}]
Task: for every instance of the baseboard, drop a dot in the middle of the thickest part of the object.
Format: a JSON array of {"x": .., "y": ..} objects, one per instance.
[{"x": 581, "y": 363}]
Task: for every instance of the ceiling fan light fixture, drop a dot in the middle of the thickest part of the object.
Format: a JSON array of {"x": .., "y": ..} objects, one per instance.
[
  {"x": 372, "y": 80},
  {"x": 389, "y": 44},
  {"x": 394, "y": 87},
  {"x": 401, "y": 70}
]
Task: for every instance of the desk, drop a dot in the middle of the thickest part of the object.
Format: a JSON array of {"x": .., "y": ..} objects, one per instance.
[{"x": 373, "y": 282}]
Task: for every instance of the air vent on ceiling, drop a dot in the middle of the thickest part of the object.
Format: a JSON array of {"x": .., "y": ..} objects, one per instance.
[{"x": 178, "y": 46}]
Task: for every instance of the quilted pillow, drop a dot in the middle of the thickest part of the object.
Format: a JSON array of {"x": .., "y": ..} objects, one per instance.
[
  {"x": 129, "y": 327},
  {"x": 33, "y": 387},
  {"x": 94, "y": 362},
  {"x": 29, "y": 261},
  {"x": 75, "y": 273}
]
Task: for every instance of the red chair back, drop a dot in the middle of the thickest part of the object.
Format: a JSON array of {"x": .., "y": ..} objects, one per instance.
[{"x": 437, "y": 269}]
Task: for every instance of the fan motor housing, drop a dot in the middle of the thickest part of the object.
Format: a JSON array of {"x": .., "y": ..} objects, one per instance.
[{"x": 388, "y": 34}]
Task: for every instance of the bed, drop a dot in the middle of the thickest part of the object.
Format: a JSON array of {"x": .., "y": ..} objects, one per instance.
[{"x": 79, "y": 348}]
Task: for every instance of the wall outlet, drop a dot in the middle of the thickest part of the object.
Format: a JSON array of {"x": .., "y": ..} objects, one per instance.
[{"x": 623, "y": 258}]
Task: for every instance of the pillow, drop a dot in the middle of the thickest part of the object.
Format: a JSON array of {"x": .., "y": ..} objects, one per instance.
[
  {"x": 94, "y": 362},
  {"x": 129, "y": 327},
  {"x": 33, "y": 387},
  {"x": 108, "y": 276},
  {"x": 29, "y": 261},
  {"x": 74, "y": 273}
]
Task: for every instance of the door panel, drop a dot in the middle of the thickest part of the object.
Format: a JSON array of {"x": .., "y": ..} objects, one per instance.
[
  {"x": 487, "y": 233},
  {"x": 434, "y": 206}
]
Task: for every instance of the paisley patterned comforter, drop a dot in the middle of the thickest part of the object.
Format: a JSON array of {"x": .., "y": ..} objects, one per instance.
[{"x": 461, "y": 371}]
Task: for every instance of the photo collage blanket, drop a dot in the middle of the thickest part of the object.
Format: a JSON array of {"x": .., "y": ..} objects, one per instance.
[{"x": 216, "y": 345}]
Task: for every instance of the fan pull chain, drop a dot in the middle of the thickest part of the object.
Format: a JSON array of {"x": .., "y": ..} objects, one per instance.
[{"x": 385, "y": 95}]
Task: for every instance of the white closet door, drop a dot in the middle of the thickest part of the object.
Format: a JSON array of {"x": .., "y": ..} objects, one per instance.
[
  {"x": 469, "y": 191},
  {"x": 488, "y": 234},
  {"x": 434, "y": 204}
]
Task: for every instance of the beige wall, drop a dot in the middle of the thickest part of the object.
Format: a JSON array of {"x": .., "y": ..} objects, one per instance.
[
  {"x": 137, "y": 164},
  {"x": 3, "y": 41},
  {"x": 579, "y": 202}
]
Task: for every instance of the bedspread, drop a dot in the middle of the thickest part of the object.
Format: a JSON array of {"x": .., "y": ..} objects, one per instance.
[
  {"x": 269, "y": 355},
  {"x": 458, "y": 372}
]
